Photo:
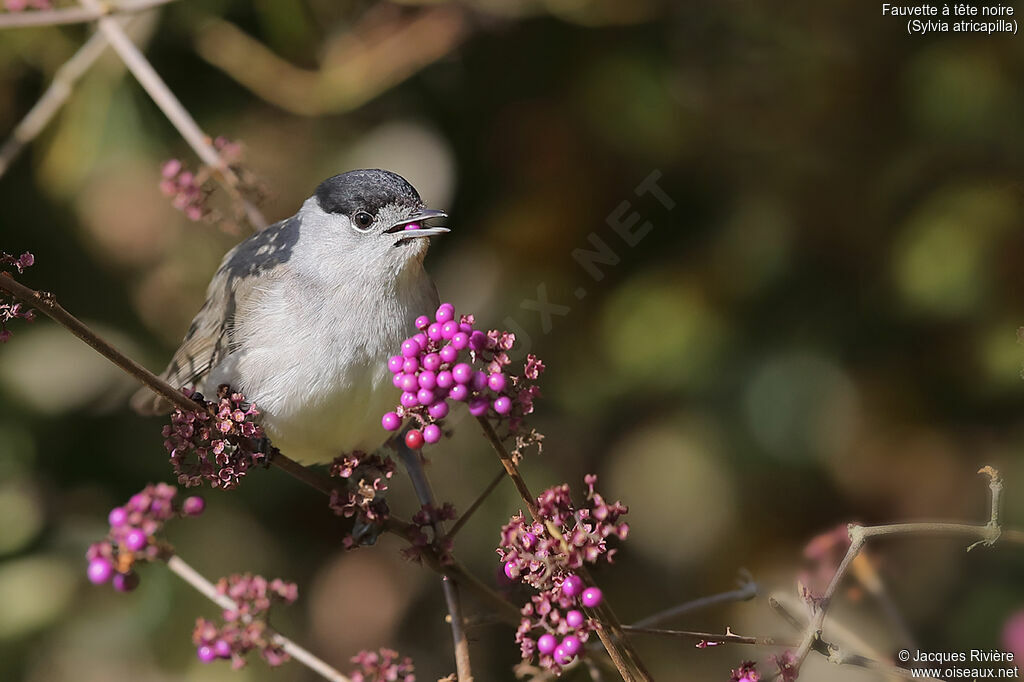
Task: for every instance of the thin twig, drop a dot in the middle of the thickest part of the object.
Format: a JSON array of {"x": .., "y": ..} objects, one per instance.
[
  {"x": 43, "y": 111},
  {"x": 986, "y": 534},
  {"x": 728, "y": 638},
  {"x": 179, "y": 117},
  {"x": 747, "y": 590},
  {"x": 421, "y": 484},
  {"x": 75, "y": 15},
  {"x": 207, "y": 589},
  {"x": 461, "y": 521}
]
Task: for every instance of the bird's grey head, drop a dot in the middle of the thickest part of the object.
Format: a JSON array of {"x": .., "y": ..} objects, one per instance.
[{"x": 371, "y": 217}]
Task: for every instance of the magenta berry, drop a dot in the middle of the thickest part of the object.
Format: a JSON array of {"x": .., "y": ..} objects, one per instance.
[
  {"x": 422, "y": 321},
  {"x": 427, "y": 379},
  {"x": 462, "y": 373},
  {"x": 448, "y": 354},
  {"x": 459, "y": 392},
  {"x": 126, "y": 582},
  {"x": 438, "y": 410},
  {"x": 135, "y": 540},
  {"x": 477, "y": 340},
  {"x": 572, "y": 585},
  {"x": 511, "y": 570},
  {"x": 562, "y": 656},
  {"x": 445, "y": 379},
  {"x": 575, "y": 618},
  {"x": 99, "y": 571},
  {"x": 592, "y": 597},
  {"x": 432, "y": 362},
  {"x": 409, "y": 400},
  {"x": 503, "y": 405},
  {"x": 409, "y": 383},
  {"x": 391, "y": 421},
  {"x": 117, "y": 517},
  {"x": 396, "y": 380},
  {"x": 422, "y": 340},
  {"x": 460, "y": 341},
  {"x": 446, "y": 313},
  {"x": 425, "y": 396},
  {"x": 572, "y": 645},
  {"x": 496, "y": 382},
  {"x": 431, "y": 433},
  {"x": 222, "y": 649},
  {"x": 193, "y": 506},
  {"x": 395, "y": 363},
  {"x": 478, "y": 406},
  {"x": 410, "y": 365},
  {"x": 479, "y": 381},
  {"x": 414, "y": 439},
  {"x": 546, "y": 643},
  {"x": 410, "y": 348},
  {"x": 206, "y": 654}
]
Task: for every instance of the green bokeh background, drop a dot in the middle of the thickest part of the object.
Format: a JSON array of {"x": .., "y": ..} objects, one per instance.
[{"x": 822, "y": 329}]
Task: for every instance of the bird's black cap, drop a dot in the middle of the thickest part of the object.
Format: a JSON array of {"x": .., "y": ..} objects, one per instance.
[{"x": 366, "y": 190}]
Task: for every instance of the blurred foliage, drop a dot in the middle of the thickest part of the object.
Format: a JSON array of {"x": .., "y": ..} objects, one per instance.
[{"x": 821, "y": 330}]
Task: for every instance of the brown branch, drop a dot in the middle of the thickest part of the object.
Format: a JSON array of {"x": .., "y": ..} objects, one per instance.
[
  {"x": 74, "y": 15},
  {"x": 380, "y": 51},
  {"x": 615, "y": 643},
  {"x": 986, "y": 534}
]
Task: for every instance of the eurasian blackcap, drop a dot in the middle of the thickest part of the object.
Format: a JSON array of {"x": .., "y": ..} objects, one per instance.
[{"x": 302, "y": 316}]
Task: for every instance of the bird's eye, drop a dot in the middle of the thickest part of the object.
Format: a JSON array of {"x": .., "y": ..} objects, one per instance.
[{"x": 363, "y": 220}]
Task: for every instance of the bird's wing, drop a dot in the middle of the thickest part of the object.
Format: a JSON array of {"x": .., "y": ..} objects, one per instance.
[{"x": 210, "y": 337}]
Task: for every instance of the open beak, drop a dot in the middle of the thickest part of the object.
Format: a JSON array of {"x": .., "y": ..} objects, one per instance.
[{"x": 415, "y": 226}]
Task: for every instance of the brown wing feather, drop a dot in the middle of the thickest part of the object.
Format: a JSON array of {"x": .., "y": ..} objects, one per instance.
[{"x": 209, "y": 338}]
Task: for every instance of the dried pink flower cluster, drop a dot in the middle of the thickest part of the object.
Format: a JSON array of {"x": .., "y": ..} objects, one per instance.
[
  {"x": 747, "y": 672},
  {"x": 188, "y": 190},
  {"x": 367, "y": 477},
  {"x": 244, "y": 628},
  {"x": 449, "y": 360},
  {"x": 823, "y": 553},
  {"x": 786, "y": 662},
  {"x": 548, "y": 562},
  {"x": 133, "y": 535},
  {"x": 428, "y": 517},
  {"x": 218, "y": 443},
  {"x": 22, "y": 5},
  {"x": 385, "y": 665},
  {"x": 10, "y": 309}
]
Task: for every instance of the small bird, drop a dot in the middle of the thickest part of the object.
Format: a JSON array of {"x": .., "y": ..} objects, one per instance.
[{"x": 302, "y": 316}]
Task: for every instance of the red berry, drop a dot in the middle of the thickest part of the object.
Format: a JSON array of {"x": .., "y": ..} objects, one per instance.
[{"x": 414, "y": 439}]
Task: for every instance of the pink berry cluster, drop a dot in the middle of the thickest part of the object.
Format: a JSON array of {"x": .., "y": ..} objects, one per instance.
[
  {"x": 133, "y": 535},
  {"x": 367, "y": 477},
  {"x": 385, "y": 665},
  {"x": 549, "y": 562},
  {"x": 448, "y": 359},
  {"x": 22, "y": 5},
  {"x": 9, "y": 309},
  {"x": 428, "y": 517},
  {"x": 244, "y": 628},
  {"x": 747, "y": 672},
  {"x": 218, "y": 442}
]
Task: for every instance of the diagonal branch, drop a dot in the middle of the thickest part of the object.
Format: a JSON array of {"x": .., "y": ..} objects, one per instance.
[
  {"x": 747, "y": 590},
  {"x": 471, "y": 509},
  {"x": 74, "y": 15},
  {"x": 184, "y": 571},
  {"x": 43, "y": 111},
  {"x": 179, "y": 117},
  {"x": 615, "y": 643}
]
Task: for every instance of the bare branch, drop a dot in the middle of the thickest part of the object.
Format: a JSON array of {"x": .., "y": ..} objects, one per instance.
[
  {"x": 173, "y": 109},
  {"x": 747, "y": 590},
  {"x": 207, "y": 589},
  {"x": 461, "y": 521},
  {"x": 75, "y": 15}
]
